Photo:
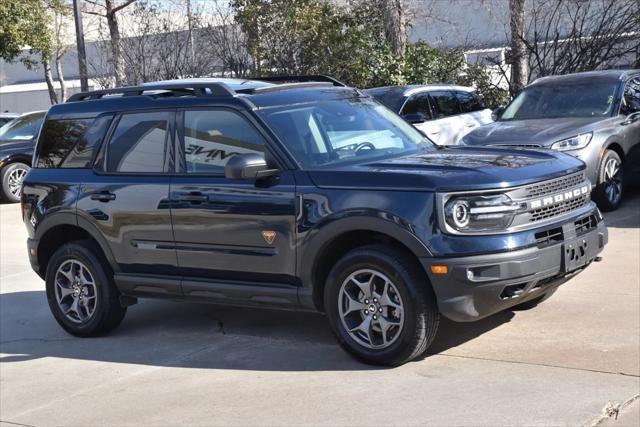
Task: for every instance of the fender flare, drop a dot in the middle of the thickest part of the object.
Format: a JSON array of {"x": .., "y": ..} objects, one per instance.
[
  {"x": 379, "y": 222},
  {"x": 53, "y": 220}
]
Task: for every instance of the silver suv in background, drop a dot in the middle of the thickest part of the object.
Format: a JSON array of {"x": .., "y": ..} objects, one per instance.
[
  {"x": 594, "y": 116},
  {"x": 444, "y": 113}
]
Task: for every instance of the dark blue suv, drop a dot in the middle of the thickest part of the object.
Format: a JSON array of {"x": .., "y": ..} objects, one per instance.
[{"x": 307, "y": 195}]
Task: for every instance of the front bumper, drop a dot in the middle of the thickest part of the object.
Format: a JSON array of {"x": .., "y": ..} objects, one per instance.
[{"x": 478, "y": 286}]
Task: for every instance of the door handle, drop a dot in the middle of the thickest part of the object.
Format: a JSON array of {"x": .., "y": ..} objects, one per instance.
[
  {"x": 193, "y": 197},
  {"x": 103, "y": 196}
]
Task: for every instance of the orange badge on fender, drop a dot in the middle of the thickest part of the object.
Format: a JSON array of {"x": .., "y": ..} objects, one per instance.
[{"x": 269, "y": 236}]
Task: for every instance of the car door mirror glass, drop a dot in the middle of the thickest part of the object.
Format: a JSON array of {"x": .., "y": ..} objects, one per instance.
[{"x": 248, "y": 166}]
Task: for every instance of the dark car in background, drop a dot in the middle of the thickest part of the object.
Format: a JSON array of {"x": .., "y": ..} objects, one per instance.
[
  {"x": 17, "y": 140},
  {"x": 306, "y": 196},
  {"x": 7, "y": 117},
  {"x": 444, "y": 113},
  {"x": 594, "y": 116}
]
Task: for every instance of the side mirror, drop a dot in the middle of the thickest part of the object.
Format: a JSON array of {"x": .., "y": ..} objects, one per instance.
[
  {"x": 497, "y": 113},
  {"x": 631, "y": 118},
  {"x": 414, "y": 118},
  {"x": 248, "y": 166}
]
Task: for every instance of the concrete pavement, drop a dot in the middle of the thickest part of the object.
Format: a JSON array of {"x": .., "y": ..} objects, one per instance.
[{"x": 178, "y": 363}]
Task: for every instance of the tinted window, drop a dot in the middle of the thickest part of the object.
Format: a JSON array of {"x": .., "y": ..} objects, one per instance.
[
  {"x": 211, "y": 137},
  {"x": 445, "y": 103},
  {"x": 23, "y": 128},
  {"x": 418, "y": 103},
  {"x": 70, "y": 143},
  {"x": 631, "y": 99},
  {"x": 591, "y": 98},
  {"x": 469, "y": 101},
  {"x": 139, "y": 143}
]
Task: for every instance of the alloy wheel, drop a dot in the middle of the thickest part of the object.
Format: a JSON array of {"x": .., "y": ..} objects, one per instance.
[
  {"x": 613, "y": 181},
  {"x": 14, "y": 181},
  {"x": 76, "y": 291},
  {"x": 371, "y": 309}
]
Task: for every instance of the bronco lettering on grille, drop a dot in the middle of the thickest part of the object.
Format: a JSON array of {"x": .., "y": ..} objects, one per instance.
[{"x": 560, "y": 197}]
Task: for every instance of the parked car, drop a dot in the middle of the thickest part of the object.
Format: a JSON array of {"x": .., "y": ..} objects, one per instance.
[
  {"x": 442, "y": 112},
  {"x": 308, "y": 196},
  {"x": 594, "y": 116},
  {"x": 7, "y": 117},
  {"x": 17, "y": 139}
]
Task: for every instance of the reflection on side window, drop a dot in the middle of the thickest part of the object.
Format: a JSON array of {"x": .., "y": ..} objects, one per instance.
[
  {"x": 138, "y": 143},
  {"x": 445, "y": 103},
  {"x": 211, "y": 137}
]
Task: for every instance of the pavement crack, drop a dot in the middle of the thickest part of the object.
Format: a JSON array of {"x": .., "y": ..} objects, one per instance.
[{"x": 537, "y": 364}]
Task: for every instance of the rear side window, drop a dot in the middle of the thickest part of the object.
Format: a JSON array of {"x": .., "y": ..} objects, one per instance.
[
  {"x": 445, "y": 103},
  {"x": 70, "y": 143},
  {"x": 469, "y": 102},
  {"x": 418, "y": 103},
  {"x": 211, "y": 137},
  {"x": 139, "y": 143}
]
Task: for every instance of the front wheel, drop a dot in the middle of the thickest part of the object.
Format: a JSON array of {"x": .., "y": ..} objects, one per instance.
[
  {"x": 610, "y": 185},
  {"x": 380, "y": 306},
  {"x": 12, "y": 176}
]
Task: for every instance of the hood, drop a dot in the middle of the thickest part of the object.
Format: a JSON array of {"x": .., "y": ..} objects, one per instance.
[
  {"x": 452, "y": 169},
  {"x": 541, "y": 132}
]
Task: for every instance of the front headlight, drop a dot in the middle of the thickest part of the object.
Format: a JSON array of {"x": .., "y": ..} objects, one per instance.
[
  {"x": 479, "y": 213},
  {"x": 573, "y": 143}
]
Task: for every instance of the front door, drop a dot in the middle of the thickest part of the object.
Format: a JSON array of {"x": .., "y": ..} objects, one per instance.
[{"x": 225, "y": 229}]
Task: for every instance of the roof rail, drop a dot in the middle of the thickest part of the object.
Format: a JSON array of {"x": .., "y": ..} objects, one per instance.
[
  {"x": 175, "y": 89},
  {"x": 300, "y": 79}
]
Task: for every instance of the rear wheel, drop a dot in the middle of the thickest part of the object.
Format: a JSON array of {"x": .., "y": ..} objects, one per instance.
[
  {"x": 380, "y": 306},
  {"x": 610, "y": 185},
  {"x": 80, "y": 291},
  {"x": 12, "y": 176}
]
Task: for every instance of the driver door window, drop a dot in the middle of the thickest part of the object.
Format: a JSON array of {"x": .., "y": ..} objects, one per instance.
[
  {"x": 211, "y": 137},
  {"x": 631, "y": 97}
]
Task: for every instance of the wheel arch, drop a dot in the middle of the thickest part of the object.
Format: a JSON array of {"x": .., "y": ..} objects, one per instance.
[
  {"x": 62, "y": 229},
  {"x": 327, "y": 245}
]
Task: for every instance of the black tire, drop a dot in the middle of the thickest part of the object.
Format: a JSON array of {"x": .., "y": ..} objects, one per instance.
[
  {"x": 609, "y": 190},
  {"x": 528, "y": 305},
  {"x": 108, "y": 312},
  {"x": 5, "y": 174},
  {"x": 421, "y": 315}
]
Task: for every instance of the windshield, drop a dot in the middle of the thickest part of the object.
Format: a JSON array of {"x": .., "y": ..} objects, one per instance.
[
  {"x": 330, "y": 132},
  {"x": 23, "y": 128},
  {"x": 593, "y": 99}
]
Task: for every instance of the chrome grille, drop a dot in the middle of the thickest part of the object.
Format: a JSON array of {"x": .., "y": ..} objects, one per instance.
[
  {"x": 560, "y": 208},
  {"x": 555, "y": 185}
]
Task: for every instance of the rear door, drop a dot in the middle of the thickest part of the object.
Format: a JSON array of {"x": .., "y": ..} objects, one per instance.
[
  {"x": 126, "y": 196},
  {"x": 448, "y": 116},
  {"x": 473, "y": 111},
  {"x": 227, "y": 229}
]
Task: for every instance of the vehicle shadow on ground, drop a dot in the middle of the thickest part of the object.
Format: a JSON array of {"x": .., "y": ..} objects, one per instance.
[{"x": 163, "y": 333}]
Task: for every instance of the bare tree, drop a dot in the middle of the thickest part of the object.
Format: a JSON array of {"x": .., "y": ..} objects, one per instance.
[
  {"x": 566, "y": 36},
  {"x": 59, "y": 50},
  {"x": 518, "y": 54},
  {"x": 109, "y": 9}
]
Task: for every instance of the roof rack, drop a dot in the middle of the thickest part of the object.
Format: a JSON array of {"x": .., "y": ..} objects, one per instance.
[
  {"x": 173, "y": 89},
  {"x": 300, "y": 79}
]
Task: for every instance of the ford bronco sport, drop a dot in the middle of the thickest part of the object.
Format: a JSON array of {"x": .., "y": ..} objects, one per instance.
[{"x": 306, "y": 195}]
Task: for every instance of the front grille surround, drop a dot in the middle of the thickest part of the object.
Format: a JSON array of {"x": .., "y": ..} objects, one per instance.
[{"x": 541, "y": 203}]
